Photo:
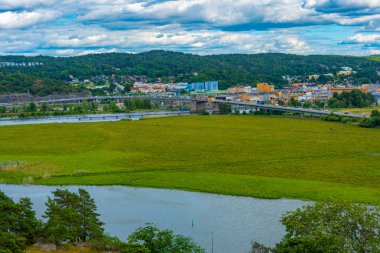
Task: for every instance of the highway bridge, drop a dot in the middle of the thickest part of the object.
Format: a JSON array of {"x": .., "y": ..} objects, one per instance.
[
  {"x": 197, "y": 105},
  {"x": 288, "y": 109},
  {"x": 99, "y": 99}
]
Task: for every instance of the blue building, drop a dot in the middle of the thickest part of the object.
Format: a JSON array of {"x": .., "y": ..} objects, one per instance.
[
  {"x": 204, "y": 86},
  {"x": 212, "y": 85}
]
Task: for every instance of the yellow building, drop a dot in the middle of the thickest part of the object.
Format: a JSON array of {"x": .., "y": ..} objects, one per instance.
[
  {"x": 240, "y": 89},
  {"x": 211, "y": 99},
  {"x": 245, "y": 97},
  {"x": 340, "y": 89},
  {"x": 315, "y": 77},
  {"x": 364, "y": 86},
  {"x": 344, "y": 73},
  {"x": 265, "y": 87}
]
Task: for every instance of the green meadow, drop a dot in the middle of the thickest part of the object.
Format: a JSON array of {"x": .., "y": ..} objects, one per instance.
[
  {"x": 259, "y": 156},
  {"x": 366, "y": 110}
]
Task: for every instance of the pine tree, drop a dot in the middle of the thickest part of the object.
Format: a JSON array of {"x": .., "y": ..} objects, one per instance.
[
  {"x": 90, "y": 225},
  {"x": 72, "y": 217},
  {"x": 18, "y": 224}
]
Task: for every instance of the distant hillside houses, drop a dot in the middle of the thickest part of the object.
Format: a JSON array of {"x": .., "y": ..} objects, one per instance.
[
  {"x": 148, "y": 88},
  {"x": 20, "y": 64},
  {"x": 301, "y": 92}
]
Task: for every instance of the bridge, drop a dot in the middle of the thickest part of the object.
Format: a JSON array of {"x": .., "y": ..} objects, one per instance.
[
  {"x": 288, "y": 109},
  {"x": 196, "y": 105},
  {"x": 100, "y": 99}
]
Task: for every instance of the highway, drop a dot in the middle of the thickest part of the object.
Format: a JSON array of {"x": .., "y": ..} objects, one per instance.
[{"x": 99, "y": 99}]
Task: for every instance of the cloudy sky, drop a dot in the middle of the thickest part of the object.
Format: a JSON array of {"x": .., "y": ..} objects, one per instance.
[{"x": 74, "y": 27}]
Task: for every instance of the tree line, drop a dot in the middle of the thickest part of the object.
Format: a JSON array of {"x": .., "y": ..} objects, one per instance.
[
  {"x": 31, "y": 109},
  {"x": 355, "y": 98},
  {"x": 40, "y": 85},
  {"x": 71, "y": 217}
]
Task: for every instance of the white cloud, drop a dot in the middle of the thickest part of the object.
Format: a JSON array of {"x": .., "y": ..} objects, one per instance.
[
  {"x": 342, "y": 3},
  {"x": 26, "y": 4},
  {"x": 221, "y": 12},
  {"x": 74, "y": 40},
  {"x": 364, "y": 39},
  {"x": 68, "y": 27},
  {"x": 12, "y": 20}
]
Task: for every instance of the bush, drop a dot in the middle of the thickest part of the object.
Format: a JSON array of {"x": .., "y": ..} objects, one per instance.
[
  {"x": 329, "y": 227},
  {"x": 332, "y": 227},
  {"x": 332, "y": 118},
  {"x": 205, "y": 112},
  {"x": 225, "y": 108},
  {"x": 345, "y": 120},
  {"x": 107, "y": 243},
  {"x": 159, "y": 241},
  {"x": 370, "y": 122},
  {"x": 375, "y": 113}
]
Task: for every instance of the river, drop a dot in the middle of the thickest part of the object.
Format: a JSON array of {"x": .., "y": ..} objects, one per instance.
[
  {"x": 87, "y": 118},
  {"x": 233, "y": 222}
]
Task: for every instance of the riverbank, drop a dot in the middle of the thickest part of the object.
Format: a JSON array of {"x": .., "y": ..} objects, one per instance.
[
  {"x": 366, "y": 110},
  {"x": 233, "y": 221},
  {"x": 89, "y": 118},
  {"x": 258, "y": 156}
]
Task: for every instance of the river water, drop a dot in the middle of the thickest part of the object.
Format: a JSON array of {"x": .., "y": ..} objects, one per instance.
[
  {"x": 87, "y": 118},
  {"x": 233, "y": 222}
]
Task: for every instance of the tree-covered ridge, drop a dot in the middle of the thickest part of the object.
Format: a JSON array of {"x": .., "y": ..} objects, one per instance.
[
  {"x": 228, "y": 69},
  {"x": 36, "y": 85},
  {"x": 374, "y": 57}
]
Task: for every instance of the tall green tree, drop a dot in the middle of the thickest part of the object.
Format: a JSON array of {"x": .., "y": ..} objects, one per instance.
[
  {"x": 44, "y": 107},
  {"x": 32, "y": 107},
  {"x": 18, "y": 224},
  {"x": 90, "y": 225},
  {"x": 72, "y": 217}
]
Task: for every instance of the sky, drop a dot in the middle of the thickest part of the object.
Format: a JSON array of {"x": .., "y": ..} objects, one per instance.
[{"x": 76, "y": 27}]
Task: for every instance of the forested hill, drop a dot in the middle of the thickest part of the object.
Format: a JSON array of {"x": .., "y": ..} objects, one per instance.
[
  {"x": 229, "y": 69},
  {"x": 34, "y": 85}
]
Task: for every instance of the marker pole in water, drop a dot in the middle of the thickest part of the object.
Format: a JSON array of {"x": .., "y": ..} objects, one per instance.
[{"x": 212, "y": 242}]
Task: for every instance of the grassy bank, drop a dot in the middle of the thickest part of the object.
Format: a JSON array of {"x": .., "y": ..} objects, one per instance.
[
  {"x": 67, "y": 249},
  {"x": 270, "y": 157},
  {"x": 366, "y": 110}
]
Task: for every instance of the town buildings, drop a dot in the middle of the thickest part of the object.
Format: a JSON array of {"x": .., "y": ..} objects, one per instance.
[{"x": 174, "y": 88}]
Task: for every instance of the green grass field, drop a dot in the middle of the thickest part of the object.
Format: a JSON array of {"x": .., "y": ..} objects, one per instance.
[
  {"x": 260, "y": 156},
  {"x": 366, "y": 110}
]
